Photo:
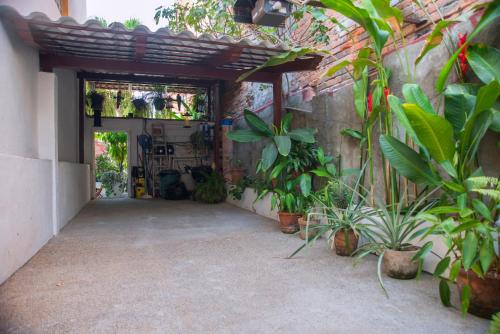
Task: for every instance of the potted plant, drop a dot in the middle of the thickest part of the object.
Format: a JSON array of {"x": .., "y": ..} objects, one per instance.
[
  {"x": 289, "y": 202},
  {"x": 212, "y": 189},
  {"x": 140, "y": 106},
  {"x": 390, "y": 230},
  {"x": 309, "y": 222},
  {"x": 96, "y": 101},
  {"x": 470, "y": 229},
  {"x": 159, "y": 102},
  {"x": 237, "y": 171}
]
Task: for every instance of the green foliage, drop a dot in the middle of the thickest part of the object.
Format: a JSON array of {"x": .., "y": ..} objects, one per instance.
[
  {"x": 104, "y": 163},
  {"x": 280, "y": 141},
  {"x": 114, "y": 183},
  {"x": 212, "y": 190},
  {"x": 237, "y": 189},
  {"x": 495, "y": 324},
  {"x": 116, "y": 146},
  {"x": 132, "y": 23}
]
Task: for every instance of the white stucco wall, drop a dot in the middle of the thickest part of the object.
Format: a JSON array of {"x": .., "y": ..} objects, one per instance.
[
  {"x": 67, "y": 111},
  {"x": 31, "y": 211},
  {"x": 73, "y": 190},
  {"x": 25, "y": 210}
]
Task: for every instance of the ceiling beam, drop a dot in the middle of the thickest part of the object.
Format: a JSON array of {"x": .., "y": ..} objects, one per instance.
[
  {"x": 49, "y": 62},
  {"x": 142, "y": 79},
  {"x": 23, "y": 29}
]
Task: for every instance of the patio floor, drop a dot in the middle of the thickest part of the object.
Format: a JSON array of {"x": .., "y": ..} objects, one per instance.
[{"x": 125, "y": 266}]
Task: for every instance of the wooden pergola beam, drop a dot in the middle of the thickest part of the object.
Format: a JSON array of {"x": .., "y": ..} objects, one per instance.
[
  {"x": 132, "y": 78},
  {"x": 49, "y": 62},
  {"x": 225, "y": 58},
  {"x": 277, "y": 101}
]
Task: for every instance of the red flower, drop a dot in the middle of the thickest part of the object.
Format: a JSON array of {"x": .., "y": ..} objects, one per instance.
[
  {"x": 464, "y": 66},
  {"x": 370, "y": 102},
  {"x": 387, "y": 91}
]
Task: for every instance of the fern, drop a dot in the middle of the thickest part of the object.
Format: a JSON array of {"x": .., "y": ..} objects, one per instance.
[
  {"x": 494, "y": 194},
  {"x": 483, "y": 182},
  {"x": 495, "y": 324}
]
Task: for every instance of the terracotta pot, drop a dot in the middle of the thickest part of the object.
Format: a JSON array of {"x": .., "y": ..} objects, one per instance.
[
  {"x": 288, "y": 222},
  {"x": 311, "y": 233},
  {"x": 345, "y": 247},
  {"x": 485, "y": 293},
  {"x": 399, "y": 264},
  {"x": 237, "y": 174}
]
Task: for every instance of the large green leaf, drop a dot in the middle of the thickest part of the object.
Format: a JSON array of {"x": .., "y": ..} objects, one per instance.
[
  {"x": 256, "y": 123},
  {"x": 406, "y": 161},
  {"x": 284, "y": 144},
  {"x": 269, "y": 155},
  {"x": 486, "y": 254},
  {"x": 469, "y": 249},
  {"x": 414, "y": 94},
  {"x": 363, "y": 18},
  {"x": 244, "y": 136},
  {"x": 487, "y": 96},
  {"x": 433, "y": 131},
  {"x": 281, "y": 58},
  {"x": 305, "y": 184},
  {"x": 474, "y": 130},
  {"x": 305, "y": 135},
  {"x": 385, "y": 10},
  {"x": 337, "y": 67},
  {"x": 491, "y": 13},
  {"x": 360, "y": 92},
  {"x": 459, "y": 102},
  {"x": 444, "y": 292},
  {"x": 434, "y": 38},
  {"x": 465, "y": 299},
  {"x": 484, "y": 61}
]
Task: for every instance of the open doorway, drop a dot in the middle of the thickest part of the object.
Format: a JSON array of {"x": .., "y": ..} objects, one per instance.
[{"x": 111, "y": 164}]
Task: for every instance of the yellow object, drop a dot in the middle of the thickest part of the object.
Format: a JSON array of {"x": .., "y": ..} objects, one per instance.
[
  {"x": 139, "y": 192},
  {"x": 139, "y": 182}
]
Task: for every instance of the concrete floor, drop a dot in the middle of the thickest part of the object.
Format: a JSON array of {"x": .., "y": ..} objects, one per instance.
[{"x": 125, "y": 266}]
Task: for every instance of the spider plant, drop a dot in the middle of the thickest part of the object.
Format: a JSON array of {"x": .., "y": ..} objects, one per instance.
[
  {"x": 339, "y": 208},
  {"x": 393, "y": 227}
]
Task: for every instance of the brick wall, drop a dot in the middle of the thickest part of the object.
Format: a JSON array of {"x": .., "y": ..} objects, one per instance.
[{"x": 332, "y": 108}]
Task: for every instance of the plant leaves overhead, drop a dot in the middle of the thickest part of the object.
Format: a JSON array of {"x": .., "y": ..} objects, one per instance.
[
  {"x": 244, "y": 136},
  {"x": 413, "y": 93},
  {"x": 269, "y": 155},
  {"x": 284, "y": 144},
  {"x": 256, "y": 123}
]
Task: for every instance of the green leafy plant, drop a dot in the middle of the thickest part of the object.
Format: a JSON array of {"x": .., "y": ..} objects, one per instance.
[
  {"x": 211, "y": 190},
  {"x": 238, "y": 189},
  {"x": 341, "y": 207},
  {"x": 393, "y": 227},
  {"x": 467, "y": 226}
]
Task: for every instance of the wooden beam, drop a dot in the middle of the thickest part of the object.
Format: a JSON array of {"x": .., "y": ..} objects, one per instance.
[
  {"x": 277, "y": 101},
  {"x": 299, "y": 65},
  {"x": 217, "y": 127},
  {"x": 81, "y": 120},
  {"x": 64, "y": 8},
  {"x": 49, "y": 62},
  {"x": 226, "y": 57},
  {"x": 132, "y": 78},
  {"x": 140, "y": 46}
]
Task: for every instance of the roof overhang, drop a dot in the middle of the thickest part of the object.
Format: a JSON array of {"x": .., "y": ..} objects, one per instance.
[{"x": 91, "y": 47}]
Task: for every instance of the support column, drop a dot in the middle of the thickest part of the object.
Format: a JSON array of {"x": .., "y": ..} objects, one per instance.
[
  {"x": 277, "y": 101},
  {"x": 81, "y": 120}
]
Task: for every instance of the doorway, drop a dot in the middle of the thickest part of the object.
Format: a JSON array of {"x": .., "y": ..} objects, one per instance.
[{"x": 111, "y": 164}]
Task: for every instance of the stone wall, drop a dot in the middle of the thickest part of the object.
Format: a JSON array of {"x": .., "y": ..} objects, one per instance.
[{"x": 331, "y": 108}]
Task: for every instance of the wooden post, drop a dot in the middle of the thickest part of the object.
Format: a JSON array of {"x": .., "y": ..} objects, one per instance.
[
  {"x": 277, "y": 101},
  {"x": 217, "y": 127},
  {"x": 81, "y": 120}
]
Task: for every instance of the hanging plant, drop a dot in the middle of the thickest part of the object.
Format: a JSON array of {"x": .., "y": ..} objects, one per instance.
[
  {"x": 140, "y": 106},
  {"x": 159, "y": 103},
  {"x": 96, "y": 101}
]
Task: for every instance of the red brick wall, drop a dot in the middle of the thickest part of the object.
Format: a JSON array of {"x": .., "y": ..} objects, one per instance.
[{"x": 344, "y": 47}]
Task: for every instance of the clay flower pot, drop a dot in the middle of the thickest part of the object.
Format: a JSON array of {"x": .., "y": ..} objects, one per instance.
[
  {"x": 485, "y": 292},
  {"x": 237, "y": 174},
  {"x": 311, "y": 233},
  {"x": 345, "y": 246},
  {"x": 399, "y": 264},
  {"x": 289, "y": 222}
]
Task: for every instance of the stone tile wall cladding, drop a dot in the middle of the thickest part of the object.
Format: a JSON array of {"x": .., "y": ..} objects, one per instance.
[{"x": 332, "y": 109}]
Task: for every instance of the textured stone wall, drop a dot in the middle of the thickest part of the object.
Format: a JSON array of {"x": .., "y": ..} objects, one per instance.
[{"x": 332, "y": 107}]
